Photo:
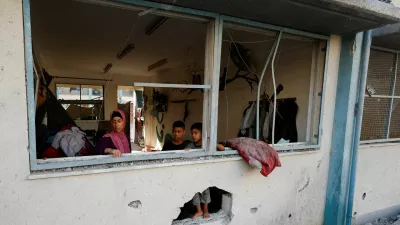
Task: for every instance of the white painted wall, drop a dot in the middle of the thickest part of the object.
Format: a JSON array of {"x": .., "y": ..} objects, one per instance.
[
  {"x": 378, "y": 177},
  {"x": 396, "y": 3},
  {"x": 104, "y": 198}
]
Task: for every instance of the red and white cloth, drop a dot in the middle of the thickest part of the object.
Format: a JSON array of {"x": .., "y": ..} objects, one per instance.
[{"x": 256, "y": 152}]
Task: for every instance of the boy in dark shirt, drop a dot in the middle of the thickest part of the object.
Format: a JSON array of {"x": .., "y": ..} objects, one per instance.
[{"x": 178, "y": 131}]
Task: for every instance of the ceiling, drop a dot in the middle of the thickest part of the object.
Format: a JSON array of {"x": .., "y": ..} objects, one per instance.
[
  {"x": 387, "y": 37},
  {"x": 79, "y": 37},
  {"x": 316, "y": 16}
]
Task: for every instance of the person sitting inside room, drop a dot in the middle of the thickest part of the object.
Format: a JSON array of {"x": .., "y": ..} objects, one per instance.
[
  {"x": 196, "y": 131},
  {"x": 116, "y": 142},
  {"x": 197, "y": 135},
  {"x": 178, "y": 131},
  {"x": 204, "y": 197}
]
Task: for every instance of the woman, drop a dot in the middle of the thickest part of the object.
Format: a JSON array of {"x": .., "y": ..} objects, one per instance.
[{"x": 115, "y": 143}]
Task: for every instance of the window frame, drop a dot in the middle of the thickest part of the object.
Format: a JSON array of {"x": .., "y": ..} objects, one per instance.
[
  {"x": 63, "y": 101},
  {"x": 392, "y": 96},
  {"x": 211, "y": 83}
]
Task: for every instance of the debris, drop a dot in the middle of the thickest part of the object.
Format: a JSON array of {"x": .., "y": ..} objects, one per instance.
[
  {"x": 395, "y": 220},
  {"x": 135, "y": 204}
]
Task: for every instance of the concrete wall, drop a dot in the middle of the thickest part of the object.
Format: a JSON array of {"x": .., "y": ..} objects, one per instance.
[
  {"x": 296, "y": 189},
  {"x": 378, "y": 177}
]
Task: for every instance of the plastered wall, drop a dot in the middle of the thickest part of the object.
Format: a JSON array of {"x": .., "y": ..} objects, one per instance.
[
  {"x": 296, "y": 189},
  {"x": 378, "y": 177}
]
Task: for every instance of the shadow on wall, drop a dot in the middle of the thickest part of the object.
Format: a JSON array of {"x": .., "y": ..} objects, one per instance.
[{"x": 220, "y": 209}]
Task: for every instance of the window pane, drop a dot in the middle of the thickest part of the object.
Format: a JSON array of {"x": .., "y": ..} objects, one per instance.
[
  {"x": 90, "y": 92},
  {"x": 162, "y": 107},
  {"x": 68, "y": 91},
  {"x": 381, "y": 72},
  {"x": 395, "y": 120},
  {"x": 375, "y": 118},
  {"x": 244, "y": 51}
]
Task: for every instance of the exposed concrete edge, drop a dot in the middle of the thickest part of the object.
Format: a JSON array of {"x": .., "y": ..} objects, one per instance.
[
  {"x": 148, "y": 164},
  {"x": 371, "y": 217},
  {"x": 386, "y": 30},
  {"x": 374, "y": 7}
]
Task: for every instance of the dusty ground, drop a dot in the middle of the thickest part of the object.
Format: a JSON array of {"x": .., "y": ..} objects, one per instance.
[{"x": 386, "y": 221}]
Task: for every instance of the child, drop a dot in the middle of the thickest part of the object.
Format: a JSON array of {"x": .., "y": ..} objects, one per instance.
[
  {"x": 178, "y": 131},
  {"x": 196, "y": 131},
  {"x": 204, "y": 197}
]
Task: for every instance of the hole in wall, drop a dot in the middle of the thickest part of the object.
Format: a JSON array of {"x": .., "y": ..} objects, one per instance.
[
  {"x": 135, "y": 204},
  {"x": 290, "y": 215},
  {"x": 253, "y": 210},
  {"x": 364, "y": 195},
  {"x": 355, "y": 213},
  {"x": 219, "y": 208}
]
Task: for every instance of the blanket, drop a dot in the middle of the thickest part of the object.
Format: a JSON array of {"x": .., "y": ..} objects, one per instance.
[{"x": 256, "y": 153}]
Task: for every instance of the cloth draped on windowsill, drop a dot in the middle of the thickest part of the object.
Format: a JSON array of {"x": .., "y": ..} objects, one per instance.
[{"x": 256, "y": 153}]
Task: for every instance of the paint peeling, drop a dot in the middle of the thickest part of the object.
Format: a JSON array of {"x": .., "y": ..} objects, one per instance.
[{"x": 353, "y": 48}]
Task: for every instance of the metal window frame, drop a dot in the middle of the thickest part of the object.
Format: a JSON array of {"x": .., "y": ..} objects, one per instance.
[
  {"x": 391, "y": 97},
  {"x": 80, "y": 95},
  {"x": 213, "y": 58},
  {"x": 252, "y": 26}
]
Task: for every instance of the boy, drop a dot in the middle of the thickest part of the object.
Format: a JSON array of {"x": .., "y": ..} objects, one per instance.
[
  {"x": 178, "y": 131},
  {"x": 196, "y": 131},
  {"x": 204, "y": 197}
]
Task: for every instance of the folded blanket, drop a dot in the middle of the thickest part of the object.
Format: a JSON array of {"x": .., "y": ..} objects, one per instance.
[{"x": 256, "y": 153}]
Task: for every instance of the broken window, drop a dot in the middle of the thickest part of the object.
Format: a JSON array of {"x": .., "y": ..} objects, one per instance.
[
  {"x": 381, "y": 104},
  {"x": 298, "y": 74},
  {"x": 160, "y": 65},
  {"x": 149, "y": 64}
]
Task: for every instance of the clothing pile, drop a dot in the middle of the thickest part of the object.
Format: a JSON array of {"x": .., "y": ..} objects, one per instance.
[
  {"x": 70, "y": 141},
  {"x": 56, "y": 133},
  {"x": 256, "y": 153}
]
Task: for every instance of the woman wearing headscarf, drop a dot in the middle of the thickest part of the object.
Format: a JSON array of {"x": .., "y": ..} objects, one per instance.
[{"x": 115, "y": 143}]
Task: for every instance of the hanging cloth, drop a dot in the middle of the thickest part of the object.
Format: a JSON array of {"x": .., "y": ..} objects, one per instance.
[{"x": 248, "y": 118}]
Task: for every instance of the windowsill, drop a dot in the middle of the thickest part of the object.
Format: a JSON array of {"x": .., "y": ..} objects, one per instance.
[
  {"x": 222, "y": 156},
  {"x": 380, "y": 143}
]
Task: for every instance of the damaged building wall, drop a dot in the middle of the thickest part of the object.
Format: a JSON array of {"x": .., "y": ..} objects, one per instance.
[
  {"x": 377, "y": 185},
  {"x": 292, "y": 194}
]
